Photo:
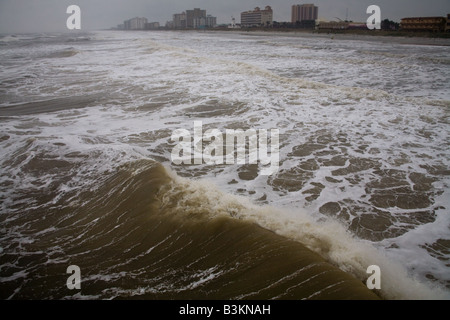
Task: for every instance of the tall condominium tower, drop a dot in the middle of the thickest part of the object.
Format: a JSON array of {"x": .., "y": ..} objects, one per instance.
[
  {"x": 194, "y": 14},
  {"x": 301, "y": 12}
]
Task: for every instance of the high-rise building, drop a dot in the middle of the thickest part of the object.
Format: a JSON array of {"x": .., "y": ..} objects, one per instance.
[
  {"x": 257, "y": 17},
  {"x": 205, "y": 22},
  {"x": 135, "y": 24},
  {"x": 193, "y": 14},
  {"x": 179, "y": 20},
  {"x": 196, "y": 18},
  {"x": 304, "y": 12},
  {"x": 211, "y": 21}
]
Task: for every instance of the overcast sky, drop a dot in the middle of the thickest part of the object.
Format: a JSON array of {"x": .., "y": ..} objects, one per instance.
[{"x": 50, "y": 15}]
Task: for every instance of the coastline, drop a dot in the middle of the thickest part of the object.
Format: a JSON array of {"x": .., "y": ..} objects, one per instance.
[
  {"x": 398, "y": 37},
  {"x": 383, "y": 36}
]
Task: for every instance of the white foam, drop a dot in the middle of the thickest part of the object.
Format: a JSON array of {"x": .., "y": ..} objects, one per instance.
[{"x": 327, "y": 237}]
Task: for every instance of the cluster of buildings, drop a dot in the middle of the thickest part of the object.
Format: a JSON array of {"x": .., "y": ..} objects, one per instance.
[
  {"x": 304, "y": 16},
  {"x": 138, "y": 23},
  {"x": 192, "y": 19}
]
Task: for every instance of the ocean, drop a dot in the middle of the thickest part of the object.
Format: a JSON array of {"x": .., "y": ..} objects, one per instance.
[{"x": 88, "y": 176}]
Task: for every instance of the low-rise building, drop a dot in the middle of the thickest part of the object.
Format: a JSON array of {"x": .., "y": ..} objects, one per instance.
[
  {"x": 341, "y": 25},
  {"x": 333, "y": 25},
  {"x": 257, "y": 17},
  {"x": 357, "y": 26},
  {"x": 435, "y": 24}
]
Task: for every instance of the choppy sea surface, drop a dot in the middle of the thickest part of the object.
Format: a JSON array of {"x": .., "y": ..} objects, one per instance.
[{"x": 87, "y": 176}]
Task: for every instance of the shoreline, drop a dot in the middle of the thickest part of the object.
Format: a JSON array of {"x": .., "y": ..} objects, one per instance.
[
  {"x": 387, "y": 39},
  {"x": 398, "y": 37}
]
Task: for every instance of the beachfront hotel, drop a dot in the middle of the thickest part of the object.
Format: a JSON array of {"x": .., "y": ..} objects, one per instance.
[
  {"x": 436, "y": 24},
  {"x": 257, "y": 17}
]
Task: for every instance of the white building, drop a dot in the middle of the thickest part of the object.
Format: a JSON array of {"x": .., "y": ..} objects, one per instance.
[
  {"x": 205, "y": 22},
  {"x": 257, "y": 17},
  {"x": 135, "y": 23}
]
